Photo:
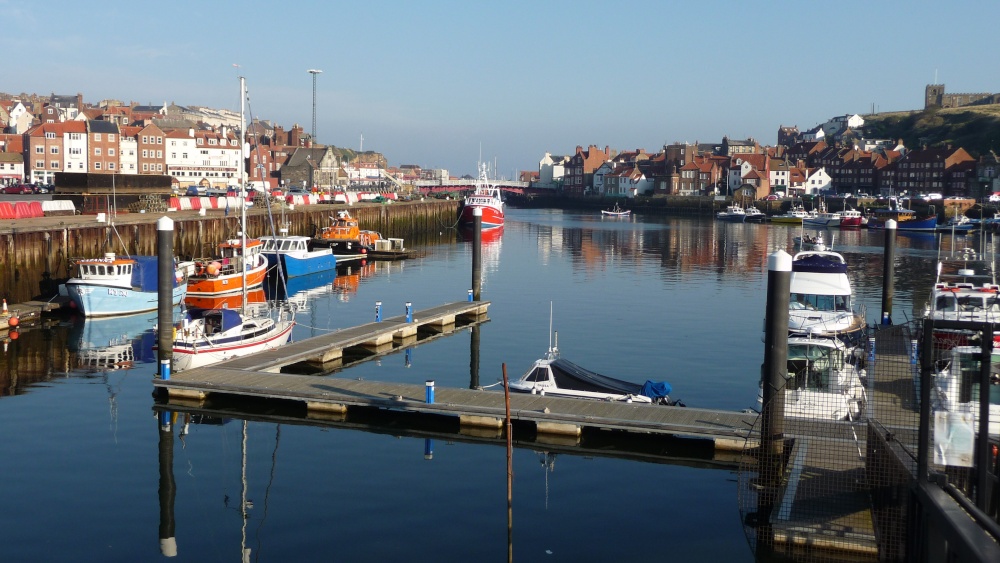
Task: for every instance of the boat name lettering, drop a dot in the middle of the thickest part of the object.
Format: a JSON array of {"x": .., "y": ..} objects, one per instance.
[{"x": 117, "y": 292}]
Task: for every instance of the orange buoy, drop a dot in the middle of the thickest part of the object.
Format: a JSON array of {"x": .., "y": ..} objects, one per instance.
[
  {"x": 214, "y": 268},
  {"x": 14, "y": 335},
  {"x": 14, "y": 321}
]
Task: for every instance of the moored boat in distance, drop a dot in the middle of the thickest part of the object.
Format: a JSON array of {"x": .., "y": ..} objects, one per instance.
[
  {"x": 850, "y": 219},
  {"x": 486, "y": 197},
  {"x": 965, "y": 289},
  {"x": 732, "y": 214},
  {"x": 295, "y": 256},
  {"x": 754, "y": 215},
  {"x": 345, "y": 236},
  {"x": 906, "y": 219},
  {"x": 811, "y": 242},
  {"x": 794, "y": 216},
  {"x": 616, "y": 211},
  {"x": 120, "y": 285}
]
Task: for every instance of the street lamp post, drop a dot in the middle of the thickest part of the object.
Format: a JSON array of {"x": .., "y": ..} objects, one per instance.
[{"x": 314, "y": 72}]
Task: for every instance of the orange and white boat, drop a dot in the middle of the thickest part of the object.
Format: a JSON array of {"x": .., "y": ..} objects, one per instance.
[
  {"x": 225, "y": 273},
  {"x": 345, "y": 236},
  {"x": 226, "y": 301}
]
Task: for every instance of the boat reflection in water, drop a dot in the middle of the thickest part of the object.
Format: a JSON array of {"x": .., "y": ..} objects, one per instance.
[
  {"x": 347, "y": 281},
  {"x": 300, "y": 290},
  {"x": 230, "y": 301},
  {"x": 113, "y": 343}
]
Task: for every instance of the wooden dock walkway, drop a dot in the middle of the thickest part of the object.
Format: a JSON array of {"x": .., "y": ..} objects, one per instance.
[{"x": 372, "y": 338}]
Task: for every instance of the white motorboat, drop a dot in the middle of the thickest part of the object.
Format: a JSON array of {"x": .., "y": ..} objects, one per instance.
[
  {"x": 965, "y": 289},
  {"x": 821, "y": 300},
  {"x": 554, "y": 376},
  {"x": 754, "y": 215},
  {"x": 824, "y": 381},
  {"x": 732, "y": 214}
]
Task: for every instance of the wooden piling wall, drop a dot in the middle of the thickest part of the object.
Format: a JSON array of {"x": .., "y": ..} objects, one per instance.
[{"x": 34, "y": 255}]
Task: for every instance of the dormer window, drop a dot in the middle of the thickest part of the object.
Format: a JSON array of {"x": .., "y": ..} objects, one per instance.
[
  {"x": 201, "y": 141},
  {"x": 50, "y": 135}
]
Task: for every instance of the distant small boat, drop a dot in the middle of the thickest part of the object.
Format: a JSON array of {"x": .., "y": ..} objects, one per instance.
[
  {"x": 616, "y": 212},
  {"x": 485, "y": 197},
  {"x": 344, "y": 236},
  {"x": 807, "y": 242},
  {"x": 754, "y": 215},
  {"x": 732, "y": 214}
]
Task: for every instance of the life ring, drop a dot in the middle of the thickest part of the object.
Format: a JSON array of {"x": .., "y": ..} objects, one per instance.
[
  {"x": 200, "y": 271},
  {"x": 365, "y": 239},
  {"x": 988, "y": 290}
]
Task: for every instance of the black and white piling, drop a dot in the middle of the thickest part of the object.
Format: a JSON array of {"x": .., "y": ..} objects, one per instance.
[
  {"x": 773, "y": 374},
  {"x": 477, "y": 253},
  {"x": 164, "y": 293},
  {"x": 888, "y": 280},
  {"x": 779, "y": 279}
]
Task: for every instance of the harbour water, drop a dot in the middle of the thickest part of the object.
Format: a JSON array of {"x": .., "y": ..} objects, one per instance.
[{"x": 663, "y": 298}]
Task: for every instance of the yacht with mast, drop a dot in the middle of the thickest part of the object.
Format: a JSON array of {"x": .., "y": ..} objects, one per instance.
[{"x": 208, "y": 336}]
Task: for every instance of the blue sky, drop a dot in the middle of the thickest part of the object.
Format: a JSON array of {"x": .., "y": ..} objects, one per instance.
[{"x": 430, "y": 82}]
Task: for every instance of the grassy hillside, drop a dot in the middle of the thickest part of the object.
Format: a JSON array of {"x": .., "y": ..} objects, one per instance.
[{"x": 976, "y": 129}]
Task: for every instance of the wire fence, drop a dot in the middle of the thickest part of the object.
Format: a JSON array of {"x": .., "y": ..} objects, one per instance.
[{"x": 837, "y": 484}]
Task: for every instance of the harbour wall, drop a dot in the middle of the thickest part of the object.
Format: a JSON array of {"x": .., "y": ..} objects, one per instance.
[{"x": 36, "y": 254}]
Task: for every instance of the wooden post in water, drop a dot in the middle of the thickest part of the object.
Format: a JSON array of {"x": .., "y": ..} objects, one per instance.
[
  {"x": 477, "y": 253},
  {"x": 164, "y": 294},
  {"x": 510, "y": 466},
  {"x": 888, "y": 262},
  {"x": 779, "y": 277}
]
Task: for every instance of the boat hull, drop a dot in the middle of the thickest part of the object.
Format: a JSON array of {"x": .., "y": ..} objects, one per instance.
[
  {"x": 730, "y": 218},
  {"x": 779, "y": 220},
  {"x": 303, "y": 266},
  {"x": 96, "y": 301},
  {"x": 219, "y": 285},
  {"x": 195, "y": 354},
  {"x": 492, "y": 216},
  {"x": 927, "y": 224}
]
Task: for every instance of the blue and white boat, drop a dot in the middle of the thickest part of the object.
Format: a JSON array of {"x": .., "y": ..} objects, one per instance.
[
  {"x": 116, "y": 285},
  {"x": 295, "y": 256},
  {"x": 111, "y": 343},
  {"x": 732, "y": 214}
]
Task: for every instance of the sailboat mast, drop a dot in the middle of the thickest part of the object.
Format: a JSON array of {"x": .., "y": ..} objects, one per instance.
[{"x": 243, "y": 195}]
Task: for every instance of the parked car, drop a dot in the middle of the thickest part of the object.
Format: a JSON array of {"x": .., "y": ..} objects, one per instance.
[
  {"x": 772, "y": 197},
  {"x": 42, "y": 189},
  {"x": 21, "y": 189}
]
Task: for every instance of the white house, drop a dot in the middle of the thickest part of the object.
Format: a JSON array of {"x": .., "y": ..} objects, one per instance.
[
  {"x": 842, "y": 123},
  {"x": 75, "y": 147},
  {"x": 128, "y": 160},
  {"x": 817, "y": 181},
  {"x": 203, "y": 158},
  {"x": 814, "y": 134},
  {"x": 551, "y": 171}
]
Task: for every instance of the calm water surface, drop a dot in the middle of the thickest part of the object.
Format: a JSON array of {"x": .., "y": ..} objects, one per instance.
[{"x": 675, "y": 299}]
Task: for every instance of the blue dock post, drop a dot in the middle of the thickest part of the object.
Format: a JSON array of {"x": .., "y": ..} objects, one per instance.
[
  {"x": 430, "y": 391},
  {"x": 409, "y": 312},
  {"x": 408, "y": 356},
  {"x": 428, "y": 448},
  {"x": 470, "y": 296},
  {"x": 378, "y": 311},
  {"x": 165, "y": 280},
  {"x": 888, "y": 261}
]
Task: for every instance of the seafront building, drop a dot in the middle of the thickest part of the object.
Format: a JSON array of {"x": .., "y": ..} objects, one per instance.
[{"x": 201, "y": 147}]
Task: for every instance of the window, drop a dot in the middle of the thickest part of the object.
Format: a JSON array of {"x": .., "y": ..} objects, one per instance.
[
  {"x": 145, "y": 167},
  {"x": 159, "y": 168},
  {"x": 201, "y": 141},
  {"x": 111, "y": 137},
  {"x": 211, "y": 141},
  {"x": 173, "y": 155},
  {"x": 74, "y": 136},
  {"x": 97, "y": 165},
  {"x": 39, "y": 164},
  {"x": 50, "y": 135},
  {"x": 145, "y": 153},
  {"x": 97, "y": 151},
  {"x": 54, "y": 150},
  {"x": 54, "y": 165},
  {"x": 159, "y": 154},
  {"x": 111, "y": 166},
  {"x": 75, "y": 151},
  {"x": 39, "y": 149},
  {"x": 159, "y": 140},
  {"x": 111, "y": 152},
  {"x": 184, "y": 155},
  {"x": 97, "y": 136},
  {"x": 145, "y": 139}
]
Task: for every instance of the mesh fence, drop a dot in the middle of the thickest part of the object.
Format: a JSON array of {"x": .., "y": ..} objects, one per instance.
[{"x": 835, "y": 485}]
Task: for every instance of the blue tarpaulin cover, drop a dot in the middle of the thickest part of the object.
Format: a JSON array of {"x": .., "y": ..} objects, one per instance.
[
  {"x": 655, "y": 389},
  {"x": 145, "y": 274}
]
